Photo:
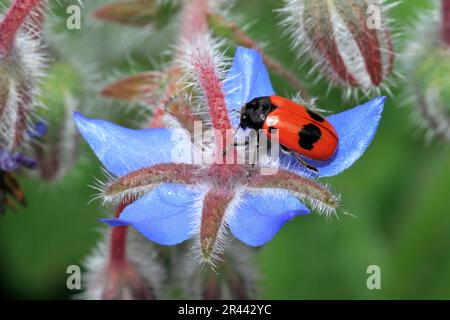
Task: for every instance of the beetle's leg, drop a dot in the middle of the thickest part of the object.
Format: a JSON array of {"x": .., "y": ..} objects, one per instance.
[
  {"x": 303, "y": 163},
  {"x": 254, "y": 156},
  {"x": 299, "y": 159},
  {"x": 235, "y": 144}
]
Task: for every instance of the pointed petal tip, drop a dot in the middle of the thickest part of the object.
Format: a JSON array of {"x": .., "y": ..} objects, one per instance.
[
  {"x": 114, "y": 222},
  {"x": 79, "y": 119},
  {"x": 83, "y": 124},
  {"x": 78, "y": 115},
  {"x": 356, "y": 128},
  {"x": 378, "y": 101}
]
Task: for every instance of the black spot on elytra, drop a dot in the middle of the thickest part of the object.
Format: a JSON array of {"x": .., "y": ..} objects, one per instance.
[
  {"x": 315, "y": 116},
  {"x": 309, "y": 135}
]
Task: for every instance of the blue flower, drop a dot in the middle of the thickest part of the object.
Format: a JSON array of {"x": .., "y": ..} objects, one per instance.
[
  {"x": 176, "y": 201},
  {"x": 12, "y": 161}
]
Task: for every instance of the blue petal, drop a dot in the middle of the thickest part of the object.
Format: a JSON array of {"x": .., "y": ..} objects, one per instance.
[
  {"x": 123, "y": 150},
  {"x": 39, "y": 129},
  {"x": 12, "y": 162},
  {"x": 356, "y": 128},
  {"x": 246, "y": 79},
  {"x": 259, "y": 216},
  {"x": 165, "y": 215}
]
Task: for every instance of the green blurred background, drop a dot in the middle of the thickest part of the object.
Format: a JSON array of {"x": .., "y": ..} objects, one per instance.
[{"x": 399, "y": 193}]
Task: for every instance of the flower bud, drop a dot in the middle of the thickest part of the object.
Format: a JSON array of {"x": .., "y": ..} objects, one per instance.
[
  {"x": 428, "y": 77},
  {"x": 62, "y": 93},
  {"x": 136, "y": 12},
  {"x": 143, "y": 87},
  {"x": 433, "y": 79},
  {"x": 235, "y": 277},
  {"x": 149, "y": 87},
  {"x": 129, "y": 273},
  {"x": 20, "y": 69},
  {"x": 348, "y": 41}
]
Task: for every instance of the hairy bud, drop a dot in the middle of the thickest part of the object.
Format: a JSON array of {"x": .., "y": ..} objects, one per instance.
[
  {"x": 137, "y": 12},
  {"x": 428, "y": 76},
  {"x": 62, "y": 93},
  {"x": 20, "y": 69},
  {"x": 235, "y": 277},
  {"x": 123, "y": 273},
  {"x": 349, "y": 41}
]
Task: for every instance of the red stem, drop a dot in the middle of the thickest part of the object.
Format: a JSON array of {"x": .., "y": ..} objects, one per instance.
[
  {"x": 194, "y": 19},
  {"x": 194, "y": 24},
  {"x": 446, "y": 21},
  {"x": 13, "y": 20},
  {"x": 117, "y": 250}
]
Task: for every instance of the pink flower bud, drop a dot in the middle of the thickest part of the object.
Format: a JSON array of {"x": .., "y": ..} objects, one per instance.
[
  {"x": 349, "y": 41},
  {"x": 136, "y": 12},
  {"x": 235, "y": 277},
  {"x": 20, "y": 68},
  {"x": 427, "y": 69},
  {"x": 142, "y": 87},
  {"x": 125, "y": 269},
  {"x": 62, "y": 92}
]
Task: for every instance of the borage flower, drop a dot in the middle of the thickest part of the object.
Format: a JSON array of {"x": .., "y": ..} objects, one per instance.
[{"x": 175, "y": 201}]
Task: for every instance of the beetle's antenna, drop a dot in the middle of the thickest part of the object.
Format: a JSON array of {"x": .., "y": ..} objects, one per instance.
[{"x": 233, "y": 144}]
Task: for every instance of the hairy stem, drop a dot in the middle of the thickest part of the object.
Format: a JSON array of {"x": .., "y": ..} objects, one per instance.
[
  {"x": 13, "y": 20},
  {"x": 211, "y": 85},
  {"x": 303, "y": 188},
  {"x": 214, "y": 207},
  {"x": 193, "y": 19},
  {"x": 124, "y": 281},
  {"x": 195, "y": 35},
  {"x": 118, "y": 241},
  {"x": 138, "y": 182}
]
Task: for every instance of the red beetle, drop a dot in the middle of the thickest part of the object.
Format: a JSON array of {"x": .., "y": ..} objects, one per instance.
[{"x": 302, "y": 132}]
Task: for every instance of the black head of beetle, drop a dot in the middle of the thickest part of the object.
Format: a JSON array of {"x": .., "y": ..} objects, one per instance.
[{"x": 254, "y": 113}]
